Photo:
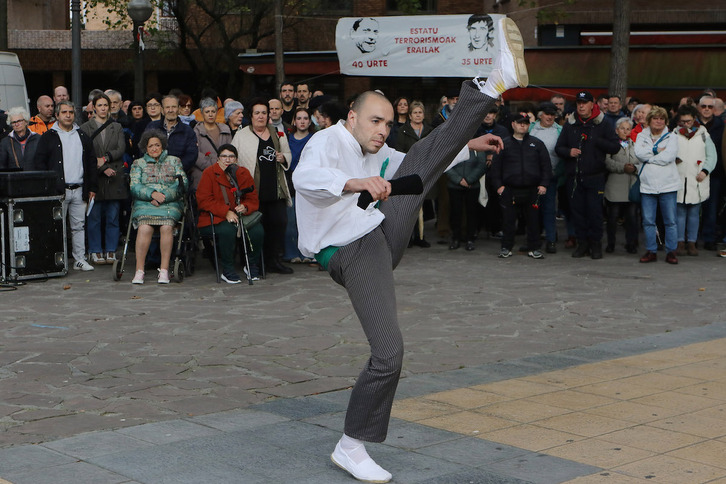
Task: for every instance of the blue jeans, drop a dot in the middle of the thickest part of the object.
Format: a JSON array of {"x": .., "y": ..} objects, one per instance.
[
  {"x": 688, "y": 221},
  {"x": 291, "y": 250},
  {"x": 108, "y": 209},
  {"x": 549, "y": 209},
  {"x": 649, "y": 207}
]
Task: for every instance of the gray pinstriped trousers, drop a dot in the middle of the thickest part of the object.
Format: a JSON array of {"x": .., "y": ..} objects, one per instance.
[{"x": 365, "y": 268}]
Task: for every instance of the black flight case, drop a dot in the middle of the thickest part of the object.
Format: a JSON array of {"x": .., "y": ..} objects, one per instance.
[{"x": 32, "y": 227}]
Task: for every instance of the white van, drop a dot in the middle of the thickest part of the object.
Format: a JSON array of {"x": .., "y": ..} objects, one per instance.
[{"x": 12, "y": 82}]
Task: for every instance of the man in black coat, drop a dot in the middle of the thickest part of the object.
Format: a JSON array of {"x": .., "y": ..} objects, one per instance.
[
  {"x": 68, "y": 151},
  {"x": 521, "y": 174},
  {"x": 710, "y": 230},
  {"x": 585, "y": 139}
]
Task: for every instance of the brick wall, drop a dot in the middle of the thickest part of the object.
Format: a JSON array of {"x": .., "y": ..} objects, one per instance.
[{"x": 61, "y": 39}]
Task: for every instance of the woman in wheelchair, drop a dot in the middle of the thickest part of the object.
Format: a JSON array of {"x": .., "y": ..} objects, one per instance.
[
  {"x": 228, "y": 204},
  {"x": 158, "y": 185}
]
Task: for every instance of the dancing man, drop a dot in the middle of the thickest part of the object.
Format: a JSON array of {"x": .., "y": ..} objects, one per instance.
[{"x": 360, "y": 248}]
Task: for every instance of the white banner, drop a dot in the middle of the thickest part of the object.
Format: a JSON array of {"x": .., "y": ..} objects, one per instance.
[{"x": 417, "y": 46}]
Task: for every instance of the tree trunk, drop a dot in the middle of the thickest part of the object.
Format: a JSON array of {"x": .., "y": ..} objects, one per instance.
[
  {"x": 279, "y": 61},
  {"x": 620, "y": 46}
]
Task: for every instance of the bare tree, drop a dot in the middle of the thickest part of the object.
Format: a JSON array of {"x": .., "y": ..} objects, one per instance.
[
  {"x": 620, "y": 49},
  {"x": 210, "y": 34}
]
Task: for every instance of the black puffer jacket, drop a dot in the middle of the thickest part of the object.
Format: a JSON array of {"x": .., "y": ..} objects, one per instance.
[
  {"x": 521, "y": 164},
  {"x": 595, "y": 137}
]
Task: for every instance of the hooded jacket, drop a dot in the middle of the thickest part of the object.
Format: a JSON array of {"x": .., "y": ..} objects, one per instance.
[{"x": 595, "y": 137}]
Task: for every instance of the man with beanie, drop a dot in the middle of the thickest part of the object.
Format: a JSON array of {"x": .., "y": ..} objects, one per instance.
[{"x": 583, "y": 143}]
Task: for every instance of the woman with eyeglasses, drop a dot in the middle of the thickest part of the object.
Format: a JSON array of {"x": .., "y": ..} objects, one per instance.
[
  {"x": 696, "y": 160},
  {"x": 152, "y": 112},
  {"x": 711, "y": 207},
  {"x": 210, "y": 135},
  {"x": 185, "y": 110},
  {"x": 17, "y": 149},
  {"x": 219, "y": 194}
]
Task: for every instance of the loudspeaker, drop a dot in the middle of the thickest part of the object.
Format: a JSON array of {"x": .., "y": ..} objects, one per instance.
[{"x": 33, "y": 238}]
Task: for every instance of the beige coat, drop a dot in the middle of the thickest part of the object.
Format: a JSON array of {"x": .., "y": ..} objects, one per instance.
[
  {"x": 619, "y": 182},
  {"x": 246, "y": 142}
]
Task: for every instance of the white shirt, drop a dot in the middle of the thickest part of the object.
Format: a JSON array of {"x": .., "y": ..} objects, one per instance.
[
  {"x": 325, "y": 215},
  {"x": 72, "y": 154}
]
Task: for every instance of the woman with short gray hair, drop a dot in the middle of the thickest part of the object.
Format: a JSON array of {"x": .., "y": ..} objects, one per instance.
[
  {"x": 622, "y": 170},
  {"x": 210, "y": 136},
  {"x": 17, "y": 149}
]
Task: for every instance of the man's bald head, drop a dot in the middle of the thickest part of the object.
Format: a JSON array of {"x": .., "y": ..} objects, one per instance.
[
  {"x": 45, "y": 107},
  {"x": 363, "y": 98},
  {"x": 60, "y": 93},
  {"x": 370, "y": 120}
]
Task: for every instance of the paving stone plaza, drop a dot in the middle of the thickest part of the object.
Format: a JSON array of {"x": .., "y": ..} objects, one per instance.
[{"x": 516, "y": 370}]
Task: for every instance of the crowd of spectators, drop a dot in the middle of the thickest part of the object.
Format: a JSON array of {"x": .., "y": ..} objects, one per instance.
[{"x": 593, "y": 163}]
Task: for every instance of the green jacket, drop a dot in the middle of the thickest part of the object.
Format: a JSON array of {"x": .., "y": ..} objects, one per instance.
[
  {"x": 470, "y": 170},
  {"x": 148, "y": 176}
]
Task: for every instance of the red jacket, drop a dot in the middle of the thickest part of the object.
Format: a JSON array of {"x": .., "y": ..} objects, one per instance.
[{"x": 210, "y": 198}]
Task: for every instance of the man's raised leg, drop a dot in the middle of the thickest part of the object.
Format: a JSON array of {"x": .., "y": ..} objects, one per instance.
[{"x": 429, "y": 157}]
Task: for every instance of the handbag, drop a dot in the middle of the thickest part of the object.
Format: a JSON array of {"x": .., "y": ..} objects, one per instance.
[
  {"x": 634, "y": 191},
  {"x": 252, "y": 219}
]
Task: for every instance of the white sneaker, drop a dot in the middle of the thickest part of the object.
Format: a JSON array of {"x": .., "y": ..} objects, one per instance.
[
  {"x": 163, "y": 276},
  {"x": 138, "y": 278},
  {"x": 81, "y": 265},
  {"x": 110, "y": 257},
  {"x": 247, "y": 273},
  {"x": 509, "y": 67},
  {"x": 367, "y": 471},
  {"x": 97, "y": 258}
]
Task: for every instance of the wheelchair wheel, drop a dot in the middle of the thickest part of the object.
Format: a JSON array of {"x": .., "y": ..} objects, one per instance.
[
  {"x": 178, "y": 270},
  {"x": 116, "y": 271}
]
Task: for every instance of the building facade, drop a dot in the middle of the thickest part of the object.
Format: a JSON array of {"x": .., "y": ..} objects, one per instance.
[{"x": 676, "y": 50}]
